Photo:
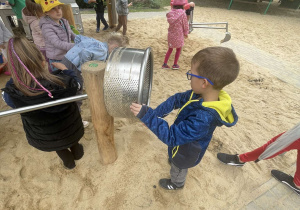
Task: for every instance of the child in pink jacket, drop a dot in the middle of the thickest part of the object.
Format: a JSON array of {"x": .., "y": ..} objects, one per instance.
[
  {"x": 31, "y": 15},
  {"x": 178, "y": 30}
]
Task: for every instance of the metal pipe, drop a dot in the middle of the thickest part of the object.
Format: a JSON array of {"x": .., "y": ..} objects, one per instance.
[
  {"x": 216, "y": 23},
  {"x": 43, "y": 105},
  {"x": 209, "y": 27}
]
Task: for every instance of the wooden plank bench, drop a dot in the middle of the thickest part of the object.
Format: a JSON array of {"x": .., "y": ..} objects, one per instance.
[{"x": 251, "y": 2}]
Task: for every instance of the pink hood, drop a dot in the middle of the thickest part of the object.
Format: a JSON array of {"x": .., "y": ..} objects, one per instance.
[{"x": 175, "y": 15}]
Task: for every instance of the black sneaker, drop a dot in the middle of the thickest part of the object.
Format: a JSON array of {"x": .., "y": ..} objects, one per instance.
[
  {"x": 105, "y": 28},
  {"x": 168, "y": 185},
  {"x": 285, "y": 179},
  {"x": 232, "y": 160}
]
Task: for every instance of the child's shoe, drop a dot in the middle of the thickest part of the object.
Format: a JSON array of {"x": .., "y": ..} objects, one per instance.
[
  {"x": 85, "y": 123},
  {"x": 97, "y": 30},
  {"x": 7, "y": 73},
  {"x": 285, "y": 179},
  {"x": 168, "y": 185},
  {"x": 232, "y": 160},
  {"x": 105, "y": 28},
  {"x": 175, "y": 67},
  {"x": 165, "y": 66}
]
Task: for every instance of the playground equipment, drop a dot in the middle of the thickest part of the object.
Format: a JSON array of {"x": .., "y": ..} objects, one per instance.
[
  {"x": 193, "y": 25},
  {"x": 128, "y": 78},
  {"x": 111, "y": 87}
]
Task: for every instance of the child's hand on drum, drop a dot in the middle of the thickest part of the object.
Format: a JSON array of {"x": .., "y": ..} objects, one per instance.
[{"x": 135, "y": 108}]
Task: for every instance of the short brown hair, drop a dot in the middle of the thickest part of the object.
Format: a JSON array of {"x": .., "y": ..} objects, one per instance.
[{"x": 219, "y": 64}]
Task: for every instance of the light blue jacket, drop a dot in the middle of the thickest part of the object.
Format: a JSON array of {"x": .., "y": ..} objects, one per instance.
[
  {"x": 87, "y": 49},
  {"x": 5, "y": 34}
]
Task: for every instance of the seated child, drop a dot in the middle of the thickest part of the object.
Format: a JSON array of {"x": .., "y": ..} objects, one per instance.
[
  {"x": 31, "y": 15},
  {"x": 56, "y": 31},
  {"x": 201, "y": 110}
]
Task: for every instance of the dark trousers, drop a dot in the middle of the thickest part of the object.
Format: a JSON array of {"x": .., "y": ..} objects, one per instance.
[
  {"x": 100, "y": 16},
  {"x": 69, "y": 156}
]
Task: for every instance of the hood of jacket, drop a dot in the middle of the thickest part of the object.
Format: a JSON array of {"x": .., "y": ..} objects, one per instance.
[
  {"x": 28, "y": 18},
  {"x": 174, "y": 15},
  {"x": 223, "y": 107},
  {"x": 222, "y": 110}
]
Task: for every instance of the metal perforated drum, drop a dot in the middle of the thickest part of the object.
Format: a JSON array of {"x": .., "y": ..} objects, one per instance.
[{"x": 128, "y": 78}]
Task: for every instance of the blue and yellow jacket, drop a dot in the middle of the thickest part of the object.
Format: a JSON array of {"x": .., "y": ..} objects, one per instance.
[{"x": 189, "y": 136}]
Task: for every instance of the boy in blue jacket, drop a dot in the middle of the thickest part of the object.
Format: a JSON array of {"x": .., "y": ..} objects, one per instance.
[{"x": 201, "y": 110}]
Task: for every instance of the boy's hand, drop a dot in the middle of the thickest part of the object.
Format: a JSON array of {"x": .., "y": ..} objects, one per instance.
[
  {"x": 59, "y": 66},
  {"x": 135, "y": 108},
  {"x": 129, "y": 5},
  {"x": 192, "y": 4},
  {"x": 185, "y": 36}
]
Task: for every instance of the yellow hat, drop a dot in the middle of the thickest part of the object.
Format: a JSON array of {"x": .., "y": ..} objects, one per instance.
[{"x": 47, "y": 5}]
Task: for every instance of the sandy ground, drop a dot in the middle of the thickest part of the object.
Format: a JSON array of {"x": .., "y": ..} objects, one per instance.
[{"x": 266, "y": 106}]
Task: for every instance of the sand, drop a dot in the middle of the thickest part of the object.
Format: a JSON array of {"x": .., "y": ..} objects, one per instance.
[{"x": 266, "y": 106}]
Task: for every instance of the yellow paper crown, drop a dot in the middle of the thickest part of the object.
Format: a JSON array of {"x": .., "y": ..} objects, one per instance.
[{"x": 47, "y": 5}]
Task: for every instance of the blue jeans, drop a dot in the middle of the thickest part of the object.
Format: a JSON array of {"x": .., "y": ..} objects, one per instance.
[{"x": 100, "y": 16}]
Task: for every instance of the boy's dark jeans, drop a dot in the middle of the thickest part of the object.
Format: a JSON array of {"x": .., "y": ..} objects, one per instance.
[{"x": 100, "y": 16}]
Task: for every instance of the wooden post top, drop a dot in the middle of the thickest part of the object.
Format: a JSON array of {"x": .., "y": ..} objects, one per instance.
[{"x": 93, "y": 66}]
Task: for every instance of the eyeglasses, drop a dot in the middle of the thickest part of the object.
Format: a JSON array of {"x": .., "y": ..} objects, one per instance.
[{"x": 189, "y": 77}]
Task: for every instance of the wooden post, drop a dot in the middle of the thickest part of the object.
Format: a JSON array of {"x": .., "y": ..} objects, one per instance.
[
  {"x": 112, "y": 13},
  {"x": 93, "y": 74},
  {"x": 68, "y": 14}
]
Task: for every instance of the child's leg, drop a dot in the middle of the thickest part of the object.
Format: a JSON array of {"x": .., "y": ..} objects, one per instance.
[
  {"x": 98, "y": 16},
  {"x": 178, "y": 50},
  {"x": 169, "y": 52},
  {"x": 253, "y": 155},
  {"x": 103, "y": 20},
  {"x": 124, "y": 24},
  {"x": 67, "y": 158},
  {"x": 77, "y": 151},
  {"x": 178, "y": 176},
  {"x": 297, "y": 173},
  {"x": 119, "y": 23}
]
